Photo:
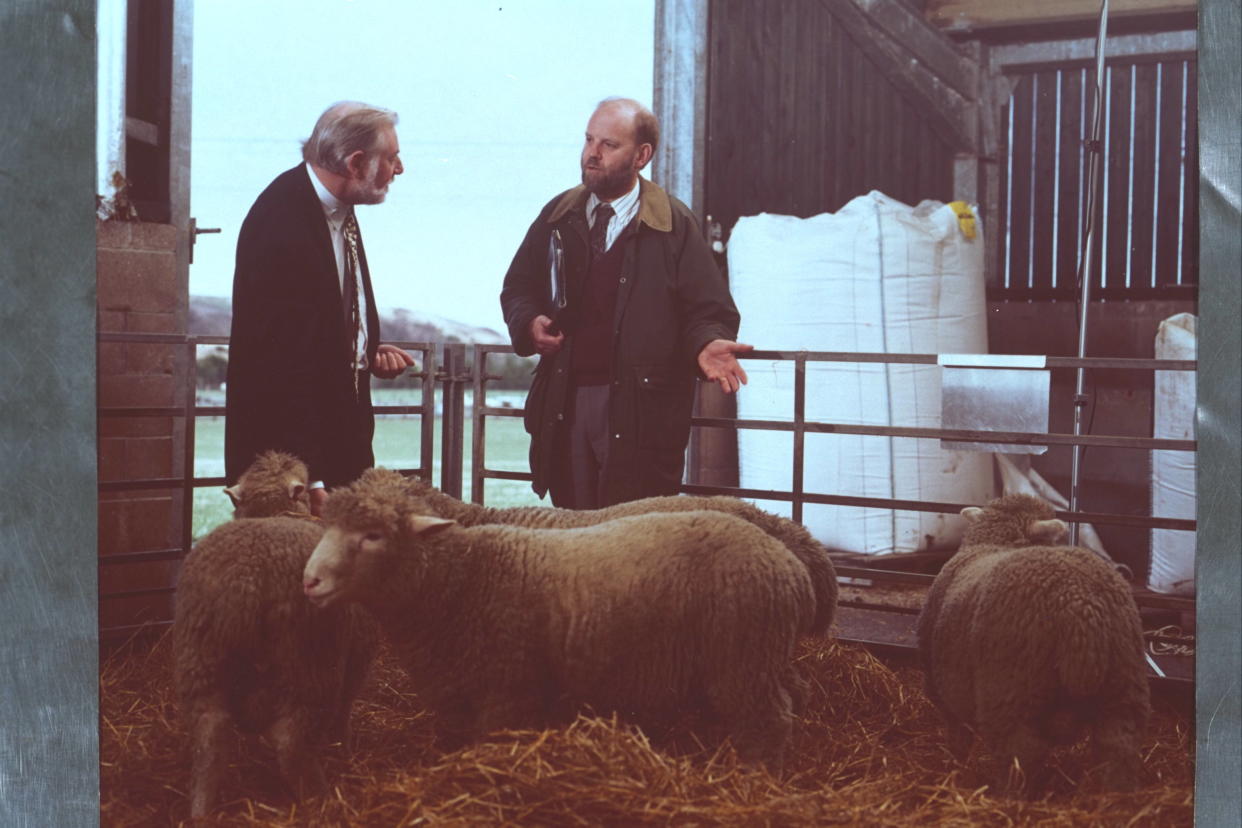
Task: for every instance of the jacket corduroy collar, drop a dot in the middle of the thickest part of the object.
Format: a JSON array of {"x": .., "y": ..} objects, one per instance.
[{"x": 654, "y": 209}]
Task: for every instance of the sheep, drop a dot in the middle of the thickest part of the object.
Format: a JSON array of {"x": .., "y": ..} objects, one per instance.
[
  {"x": 1027, "y": 644},
  {"x": 274, "y": 484},
  {"x": 795, "y": 536},
  {"x": 507, "y": 626},
  {"x": 249, "y": 650}
]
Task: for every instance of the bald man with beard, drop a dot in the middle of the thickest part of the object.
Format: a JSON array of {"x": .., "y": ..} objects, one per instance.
[{"x": 646, "y": 312}]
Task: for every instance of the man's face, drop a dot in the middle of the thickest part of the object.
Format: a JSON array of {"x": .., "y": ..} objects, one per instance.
[
  {"x": 381, "y": 167},
  {"x": 611, "y": 156}
]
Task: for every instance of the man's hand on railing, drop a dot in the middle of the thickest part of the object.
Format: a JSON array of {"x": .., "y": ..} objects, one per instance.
[{"x": 390, "y": 362}]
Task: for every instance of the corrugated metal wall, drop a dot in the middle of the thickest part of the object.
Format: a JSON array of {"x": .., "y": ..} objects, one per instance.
[{"x": 800, "y": 120}]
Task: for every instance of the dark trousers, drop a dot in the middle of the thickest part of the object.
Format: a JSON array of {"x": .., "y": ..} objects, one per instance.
[{"x": 583, "y": 450}]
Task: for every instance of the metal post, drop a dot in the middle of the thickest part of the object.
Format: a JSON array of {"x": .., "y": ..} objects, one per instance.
[
  {"x": 479, "y": 420},
  {"x": 453, "y": 418},
  {"x": 1085, "y": 274},
  {"x": 190, "y": 406},
  {"x": 799, "y": 433}
]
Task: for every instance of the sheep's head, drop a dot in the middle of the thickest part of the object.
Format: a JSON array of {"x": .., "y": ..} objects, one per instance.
[
  {"x": 275, "y": 483},
  {"x": 368, "y": 524},
  {"x": 1013, "y": 520}
]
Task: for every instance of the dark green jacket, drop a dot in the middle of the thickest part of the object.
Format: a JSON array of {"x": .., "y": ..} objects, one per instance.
[{"x": 671, "y": 301}]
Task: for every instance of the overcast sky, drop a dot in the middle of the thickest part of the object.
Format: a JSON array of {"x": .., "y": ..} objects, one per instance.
[{"x": 493, "y": 99}]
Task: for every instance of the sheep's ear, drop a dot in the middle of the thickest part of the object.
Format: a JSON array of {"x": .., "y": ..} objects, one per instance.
[
  {"x": 234, "y": 494},
  {"x": 972, "y": 514},
  {"x": 1050, "y": 531},
  {"x": 296, "y": 489},
  {"x": 418, "y": 524}
]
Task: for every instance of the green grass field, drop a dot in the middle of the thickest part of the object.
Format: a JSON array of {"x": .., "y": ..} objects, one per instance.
[{"x": 397, "y": 445}]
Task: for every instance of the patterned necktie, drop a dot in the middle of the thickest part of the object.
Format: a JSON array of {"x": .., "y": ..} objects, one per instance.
[
  {"x": 599, "y": 230},
  {"x": 349, "y": 291}
]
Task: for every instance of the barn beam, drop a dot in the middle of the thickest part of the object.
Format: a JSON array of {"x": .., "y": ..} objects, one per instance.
[
  {"x": 927, "y": 43},
  {"x": 881, "y": 27},
  {"x": 957, "y": 15}
]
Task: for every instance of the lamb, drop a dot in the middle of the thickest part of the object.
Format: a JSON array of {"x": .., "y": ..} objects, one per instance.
[
  {"x": 507, "y": 626},
  {"x": 275, "y": 484},
  {"x": 249, "y": 651},
  {"x": 795, "y": 536},
  {"x": 1031, "y": 644}
]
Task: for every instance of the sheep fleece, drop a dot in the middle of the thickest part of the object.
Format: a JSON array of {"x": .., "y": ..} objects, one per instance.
[
  {"x": 1029, "y": 645},
  {"x": 647, "y": 614},
  {"x": 244, "y": 632},
  {"x": 795, "y": 536}
]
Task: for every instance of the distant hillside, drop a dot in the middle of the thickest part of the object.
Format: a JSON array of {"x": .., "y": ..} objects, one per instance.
[{"x": 211, "y": 315}]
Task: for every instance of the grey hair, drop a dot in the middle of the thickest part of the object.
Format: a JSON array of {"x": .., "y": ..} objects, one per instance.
[
  {"x": 646, "y": 125},
  {"x": 343, "y": 129}
]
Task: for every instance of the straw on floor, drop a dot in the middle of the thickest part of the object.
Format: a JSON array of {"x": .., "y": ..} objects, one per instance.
[{"x": 868, "y": 750}]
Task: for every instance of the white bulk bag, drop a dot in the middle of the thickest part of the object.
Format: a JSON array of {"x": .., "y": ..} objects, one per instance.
[
  {"x": 1173, "y": 472},
  {"x": 876, "y": 276}
]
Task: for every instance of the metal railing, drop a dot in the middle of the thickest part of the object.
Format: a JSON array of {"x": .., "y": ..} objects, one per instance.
[{"x": 456, "y": 374}]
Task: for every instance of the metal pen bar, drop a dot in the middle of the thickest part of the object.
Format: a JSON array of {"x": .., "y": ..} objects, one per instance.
[
  {"x": 799, "y": 434},
  {"x": 1085, "y": 273},
  {"x": 962, "y": 435}
]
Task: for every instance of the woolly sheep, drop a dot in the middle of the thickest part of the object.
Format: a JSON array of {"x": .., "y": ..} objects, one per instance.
[
  {"x": 1030, "y": 644},
  {"x": 249, "y": 650},
  {"x": 504, "y": 626},
  {"x": 795, "y": 536},
  {"x": 274, "y": 484}
]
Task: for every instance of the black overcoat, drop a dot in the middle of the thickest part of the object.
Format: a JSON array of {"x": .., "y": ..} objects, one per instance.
[
  {"x": 671, "y": 301},
  {"x": 290, "y": 383}
]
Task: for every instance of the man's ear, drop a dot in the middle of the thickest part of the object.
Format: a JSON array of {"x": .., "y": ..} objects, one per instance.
[
  {"x": 645, "y": 154},
  {"x": 356, "y": 163}
]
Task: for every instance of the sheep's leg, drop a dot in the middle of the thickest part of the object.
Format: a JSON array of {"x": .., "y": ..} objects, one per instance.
[
  {"x": 363, "y": 648},
  {"x": 1115, "y": 741},
  {"x": 297, "y": 757},
  {"x": 1022, "y": 742},
  {"x": 959, "y": 738},
  {"x": 209, "y": 756},
  {"x": 760, "y": 719},
  {"x": 797, "y": 688}
]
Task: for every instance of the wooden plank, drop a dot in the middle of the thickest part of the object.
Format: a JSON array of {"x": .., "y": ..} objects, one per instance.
[
  {"x": 1071, "y": 198},
  {"x": 1143, "y": 189},
  {"x": 980, "y": 14},
  {"x": 1115, "y": 236},
  {"x": 1043, "y": 227},
  {"x": 954, "y": 116},
  {"x": 1190, "y": 226},
  {"x": 1168, "y": 186},
  {"x": 932, "y": 49},
  {"x": 1017, "y": 262}
]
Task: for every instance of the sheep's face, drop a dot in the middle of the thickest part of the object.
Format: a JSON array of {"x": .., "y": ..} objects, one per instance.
[
  {"x": 352, "y": 563},
  {"x": 343, "y": 561}
]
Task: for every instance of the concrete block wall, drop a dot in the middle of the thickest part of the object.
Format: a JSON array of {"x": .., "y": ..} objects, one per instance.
[{"x": 138, "y": 291}]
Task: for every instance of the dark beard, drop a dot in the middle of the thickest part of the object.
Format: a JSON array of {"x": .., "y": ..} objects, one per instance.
[{"x": 607, "y": 185}]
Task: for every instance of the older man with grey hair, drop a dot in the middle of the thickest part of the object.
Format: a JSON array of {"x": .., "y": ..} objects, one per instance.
[{"x": 305, "y": 339}]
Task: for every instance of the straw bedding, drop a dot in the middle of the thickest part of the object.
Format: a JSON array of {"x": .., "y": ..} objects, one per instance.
[{"x": 868, "y": 750}]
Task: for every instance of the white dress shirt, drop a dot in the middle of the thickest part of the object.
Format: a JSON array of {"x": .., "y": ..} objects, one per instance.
[
  {"x": 624, "y": 210},
  {"x": 335, "y": 212}
]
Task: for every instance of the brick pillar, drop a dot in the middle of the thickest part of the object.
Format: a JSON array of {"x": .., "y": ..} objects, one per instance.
[{"x": 138, "y": 292}]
